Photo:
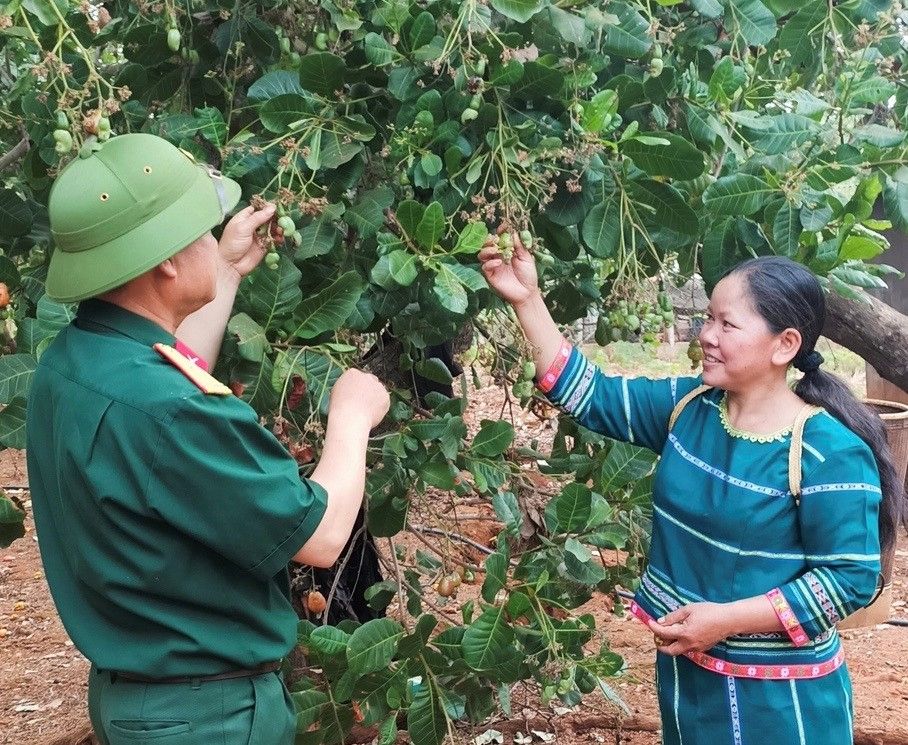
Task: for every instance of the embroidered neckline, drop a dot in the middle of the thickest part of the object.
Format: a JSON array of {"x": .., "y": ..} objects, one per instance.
[{"x": 744, "y": 434}]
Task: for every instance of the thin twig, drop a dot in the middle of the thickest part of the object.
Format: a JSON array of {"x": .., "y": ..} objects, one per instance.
[
  {"x": 455, "y": 536},
  {"x": 340, "y": 571},
  {"x": 452, "y": 559},
  {"x": 400, "y": 584}
]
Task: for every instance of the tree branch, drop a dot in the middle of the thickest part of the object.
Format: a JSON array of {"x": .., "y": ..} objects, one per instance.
[
  {"x": 874, "y": 330},
  {"x": 16, "y": 154}
]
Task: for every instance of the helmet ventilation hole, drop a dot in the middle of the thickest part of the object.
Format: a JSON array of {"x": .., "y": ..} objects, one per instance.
[
  {"x": 147, "y": 169},
  {"x": 105, "y": 196}
]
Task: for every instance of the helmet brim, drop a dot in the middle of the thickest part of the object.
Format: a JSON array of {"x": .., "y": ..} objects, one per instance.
[{"x": 78, "y": 275}]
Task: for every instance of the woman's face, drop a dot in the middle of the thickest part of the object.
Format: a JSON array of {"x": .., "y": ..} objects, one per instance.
[{"x": 739, "y": 350}]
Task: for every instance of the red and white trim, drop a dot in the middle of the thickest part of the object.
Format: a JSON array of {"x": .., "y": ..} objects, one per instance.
[
  {"x": 760, "y": 672},
  {"x": 787, "y": 617},
  {"x": 547, "y": 381}
]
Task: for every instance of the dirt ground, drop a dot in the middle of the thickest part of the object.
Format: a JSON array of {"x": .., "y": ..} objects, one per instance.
[{"x": 43, "y": 689}]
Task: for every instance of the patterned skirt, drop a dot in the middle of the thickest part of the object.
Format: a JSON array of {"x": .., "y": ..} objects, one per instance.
[{"x": 700, "y": 707}]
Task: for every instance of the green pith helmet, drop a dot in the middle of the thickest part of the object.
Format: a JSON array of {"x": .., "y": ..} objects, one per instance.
[{"x": 125, "y": 208}]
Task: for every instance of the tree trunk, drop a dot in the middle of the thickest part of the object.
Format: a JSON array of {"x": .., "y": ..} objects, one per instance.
[{"x": 874, "y": 330}]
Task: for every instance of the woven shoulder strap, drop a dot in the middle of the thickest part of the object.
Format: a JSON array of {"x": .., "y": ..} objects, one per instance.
[
  {"x": 679, "y": 407},
  {"x": 796, "y": 448}
]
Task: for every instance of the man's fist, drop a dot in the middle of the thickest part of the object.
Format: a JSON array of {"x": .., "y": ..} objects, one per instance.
[{"x": 362, "y": 392}]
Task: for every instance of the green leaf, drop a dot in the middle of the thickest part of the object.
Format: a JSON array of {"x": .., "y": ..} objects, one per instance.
[
  {"x": 329, "y": 640},
  {"x": 15, "y": 216},
  {"x": 433, "y": 369},
  {"x": 372, "y": 646},
  {"x": 707, "y": 8},
  {"x": 260, "y": 39},
  {"x": 469, "y": 277},
  {"x": 274, "y": 84},
  {"x": 322, "y": 73},
  {"x": 629, "y": 38},
  {"x": 602, "y": 104},
  {"x": 251, "y": 340},
  {"x": 496, "y": 573},
  {"x": 368, "y": 214},
  {"x": 677, "y": 159},
  {"x": 53, "y": 316},
  {"x": 726, "y": 79},
  {"x": 579, "y": 564},
  {"x": 570, "y": 26},
  {"x": 409, "y": 214},
  {"x": 786, "y": 230},
  {"x": 860, "y": 247},
  {"x": 427, "y": 723},
  {"x": 402, "y": 266},
  {"x": 573, "y": 507},
  {"x": 720, "y": 252},
  {"x": 387, "y": 733},
  {"x": 874, "y": 90},
  {"x": 378, "y": 51},
  {"x": 12, "y": 424},
  {"x": 538, "y": 82},
  {"x": 518, "y": 10},
  {"x": 318, "y": 238},
  {"x": 431, "y": 164},
  {"x": 471, "y": 238},
  {"x": 271, "y": 296},
  {"x": 337, "y": 150},
  {"x": 449, "y": 290},
  {"x": 625, "y": 464},
  {"x": 895, "y": 201},
  {"x": 432, "y": 226},
  {"x": 668, "y": 207},
  {"x": 602, "y": 229},
  {"x": 423, "y": 30},
  {"x": 755, "y": 20},
  {"x": 16, "y": 372},
  {"x": 738, "y": 194},
  {"x": 493, "y": 438},
  {"x": 308, "y": 707},
  {"x": 45, "y": 11},
  {"x": 327, "y": 310},
  {"x": 487, "y": 642},
  {"x": 802, "y": 35},
  {"x": 785, "y": 132},
  {"x": 508, "y": 511},
  {"x": 12, "y": 521}
]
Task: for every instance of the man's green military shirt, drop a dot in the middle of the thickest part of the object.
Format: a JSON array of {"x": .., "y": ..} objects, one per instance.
[{"x": 165, "y": 517}]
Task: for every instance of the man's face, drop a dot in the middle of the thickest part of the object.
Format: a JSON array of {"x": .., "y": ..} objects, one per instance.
[{"x": 197, "y": 267}]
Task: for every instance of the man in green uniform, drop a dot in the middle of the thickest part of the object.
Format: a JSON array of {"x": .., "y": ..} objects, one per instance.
[{"x": 166, "y": 515}]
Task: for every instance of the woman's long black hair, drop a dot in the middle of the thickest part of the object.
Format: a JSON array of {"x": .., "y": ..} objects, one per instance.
[{"x": 787, "y": 295}]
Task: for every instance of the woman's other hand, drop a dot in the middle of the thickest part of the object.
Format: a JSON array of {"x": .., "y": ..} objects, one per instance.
[{"x": 693, "y": 628}]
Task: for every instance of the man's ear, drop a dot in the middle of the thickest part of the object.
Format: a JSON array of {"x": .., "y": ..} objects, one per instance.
[
  {"x": 788, "y": 344},
  {"x": 167, "y": 268}
]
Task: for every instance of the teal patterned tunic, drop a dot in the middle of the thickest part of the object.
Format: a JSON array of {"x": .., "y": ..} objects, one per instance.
[{"x": 726, "y": 527}]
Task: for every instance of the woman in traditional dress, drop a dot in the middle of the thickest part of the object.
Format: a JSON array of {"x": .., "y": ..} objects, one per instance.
[{"x": 745, "y": 581}]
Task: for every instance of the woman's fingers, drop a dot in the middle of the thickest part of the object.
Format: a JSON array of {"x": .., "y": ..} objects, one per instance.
[
  {"x": 488, "y": 253},
  {"x": 492, "y": 264}
]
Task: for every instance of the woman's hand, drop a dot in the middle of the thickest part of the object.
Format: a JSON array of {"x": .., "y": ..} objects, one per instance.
[
  {"x": 515, "y": 281},
  {"x": 693, "y": 628},
  {"x": 241, "y": 247}
]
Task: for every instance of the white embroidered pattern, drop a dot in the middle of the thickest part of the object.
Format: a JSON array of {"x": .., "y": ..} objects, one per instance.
[
  {"x": 733, "y": 709},
  {"x": 733, "y": 480},
  {"x": 840, "y": 487}
]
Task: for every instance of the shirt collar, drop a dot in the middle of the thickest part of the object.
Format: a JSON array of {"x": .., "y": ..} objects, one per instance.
[{"x": 95, "y": 312}]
